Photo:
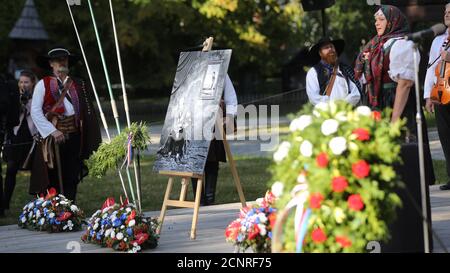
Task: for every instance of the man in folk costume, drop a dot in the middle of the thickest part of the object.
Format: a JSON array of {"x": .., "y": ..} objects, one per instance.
[
  {"x": 438, "y": 52},
  {"x": 330, "y": 79},
  {"x": 66, "y": 120}
]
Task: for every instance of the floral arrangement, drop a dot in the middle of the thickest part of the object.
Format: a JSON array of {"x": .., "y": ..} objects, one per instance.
[
  {"x": 52, "y": 213},
  {"x": 335, "y": 169},
  {"x": 253, "y": 228},
  {"x": 122, "y": 228},
  {"x": 109, "y": 154}
]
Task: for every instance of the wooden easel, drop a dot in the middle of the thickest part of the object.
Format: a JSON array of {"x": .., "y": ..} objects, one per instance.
[{"x": 186, "y": 177}]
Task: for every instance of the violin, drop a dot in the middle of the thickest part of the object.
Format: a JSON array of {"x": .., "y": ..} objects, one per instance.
[{"x": 440, "y": 94}]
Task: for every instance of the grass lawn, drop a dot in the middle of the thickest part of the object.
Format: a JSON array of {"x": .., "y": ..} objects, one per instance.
[{"x": 92, "y": 192}]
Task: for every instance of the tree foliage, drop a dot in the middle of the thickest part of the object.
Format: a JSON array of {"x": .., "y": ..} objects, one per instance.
[{"x": 264, "y": 34}]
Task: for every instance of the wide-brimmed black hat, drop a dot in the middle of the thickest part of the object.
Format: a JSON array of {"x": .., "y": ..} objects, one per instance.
[
  {"x": 313, "y": 54},
  {"x": 56, "y": 52}
]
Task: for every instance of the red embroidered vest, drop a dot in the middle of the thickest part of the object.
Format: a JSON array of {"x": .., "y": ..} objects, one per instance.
[{"x": 52, "y": 94}]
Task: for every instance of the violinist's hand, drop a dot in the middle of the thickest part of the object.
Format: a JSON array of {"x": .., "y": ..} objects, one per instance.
[
  {"x": 445, "y": 56},
  {"x": 429, "y": 105}
]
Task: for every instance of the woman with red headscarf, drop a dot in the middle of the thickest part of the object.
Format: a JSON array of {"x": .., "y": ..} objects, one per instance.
[{"x": 386, "y": 67}]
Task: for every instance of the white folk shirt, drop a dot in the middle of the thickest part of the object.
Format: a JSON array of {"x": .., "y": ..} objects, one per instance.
[
  {"x": 339, "y": 91},
  {"x": 229, "y": 97},
  {"x": 401, "y": 65},
  {"x": 44, "y": 126},
  {"x": 435, "y": 52}
]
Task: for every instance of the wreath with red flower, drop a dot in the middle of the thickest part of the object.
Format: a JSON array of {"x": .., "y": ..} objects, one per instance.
[{"x": 336, "y": 169}]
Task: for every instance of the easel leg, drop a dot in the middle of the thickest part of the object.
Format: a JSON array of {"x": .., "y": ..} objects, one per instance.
[
  {"x": 196, "y": 208},
  {"x": 237, "y": 180},
  {"x": 164, "y": 207}
]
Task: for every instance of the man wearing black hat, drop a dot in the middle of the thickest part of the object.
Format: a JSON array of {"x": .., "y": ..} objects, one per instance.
[
  {"x": 329, "y": 79},
  {"x": 65, "y": 118}
]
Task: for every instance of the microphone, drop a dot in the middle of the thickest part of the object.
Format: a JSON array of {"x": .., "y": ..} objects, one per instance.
[{"x": 435, "y": 30}]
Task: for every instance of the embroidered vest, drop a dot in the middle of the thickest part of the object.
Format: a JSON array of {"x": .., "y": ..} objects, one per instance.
[{"x": 52, "y": 95}]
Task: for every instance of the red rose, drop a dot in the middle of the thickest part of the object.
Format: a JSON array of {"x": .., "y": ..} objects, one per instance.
[
  {"x": 140, "y": 238},
  {"x": 343, "y": 241},
  {"x": 108, "y": 203},
  {"x": 376, "y": 115},
  {"x": 361, "y": 169},
  {"x": 315, "y": 200},
  {"x": 64, "y": 216},
  {"x": 362, "y": 134},
  {"x": 355, "y": 202},
  {"x": 232, "y": 230},
  {"x": 322, "y": 160},
  {"x": 339, "y": 184},
  {"x": 318, "y": 236},
  {"x": 254, "y": 232},
  {"x": 51, "y": 193}
]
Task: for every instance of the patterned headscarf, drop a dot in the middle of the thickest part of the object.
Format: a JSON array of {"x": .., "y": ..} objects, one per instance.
[{"x": 397, "y": 26}]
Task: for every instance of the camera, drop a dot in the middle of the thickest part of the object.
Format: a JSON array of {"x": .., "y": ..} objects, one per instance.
[{"x": 25, "y": 96}]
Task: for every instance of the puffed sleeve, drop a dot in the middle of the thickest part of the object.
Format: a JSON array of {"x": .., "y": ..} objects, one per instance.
[{"x": 402, "y": 60}]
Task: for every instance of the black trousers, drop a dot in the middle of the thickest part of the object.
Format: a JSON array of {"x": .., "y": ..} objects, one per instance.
[
  {"x": 209, "y": 190},
  {"x": 12, "y": 167},
  {"x": 442, "y": 114},
  {"x": 70, "y": 166}
]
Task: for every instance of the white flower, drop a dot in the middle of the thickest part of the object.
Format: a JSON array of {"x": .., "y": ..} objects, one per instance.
[
  {"x": 282, "y": 151},
  {"x": 57, "y": 204},
  {"x": 322, "y": 106},
  {"x": 339, "y": 215},
  {"x": 44, "y": 204},
  {"x": 300, "y": 123},
  {"x": 108, "y": 232},
  {"x": 57, "y": 198},
  {"x": 65, "y": 227},
  {"x": 277, "y": 189},
  {"x": 122, "y": 227},
  {"x": 128, "y": 210},
  {"x": 105, "y": 215},
  {"x": 96, "y": 226},
  {"x": 63, "y": 203},
  {"x": 24, "y": 219},
  {"x": 74, "y": 208},
  {"x": 262, "y": 217},
  {"x": 105, "y": 210},
  {"x": 306, "y": 149},
  {"x": 125, "y": 239},
  {"x": 301, "y": 178},
  {"x": 42, "y": 221},
  {"x": 38, "y": 214},
  {"x": 30, "y": 214},
  {"x": 243, "y": 229},
  {"x": 135, "y": 244},
  {"x": 31, "y": 205},
  {"x": 329, "y": 126},
  {"x": 262, "y": 229},
  {"x": 113, "y": 234},
  {"x": 119, "y": 236},
  {"x": 138, "y": 248},
  {"x": 364, "y": 111},
  {"x": 341, "y": 116},
  {"x": 338, "y": 145},
  {"x": 131, "y": 223}
]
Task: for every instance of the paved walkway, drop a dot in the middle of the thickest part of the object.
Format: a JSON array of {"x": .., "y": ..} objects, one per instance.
[{"x": 175, "y": 234}]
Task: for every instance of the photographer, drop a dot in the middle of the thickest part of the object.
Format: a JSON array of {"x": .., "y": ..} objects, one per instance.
[
  {"x": 19, "y": 138},
  {"x": 8, "y": 119}
]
